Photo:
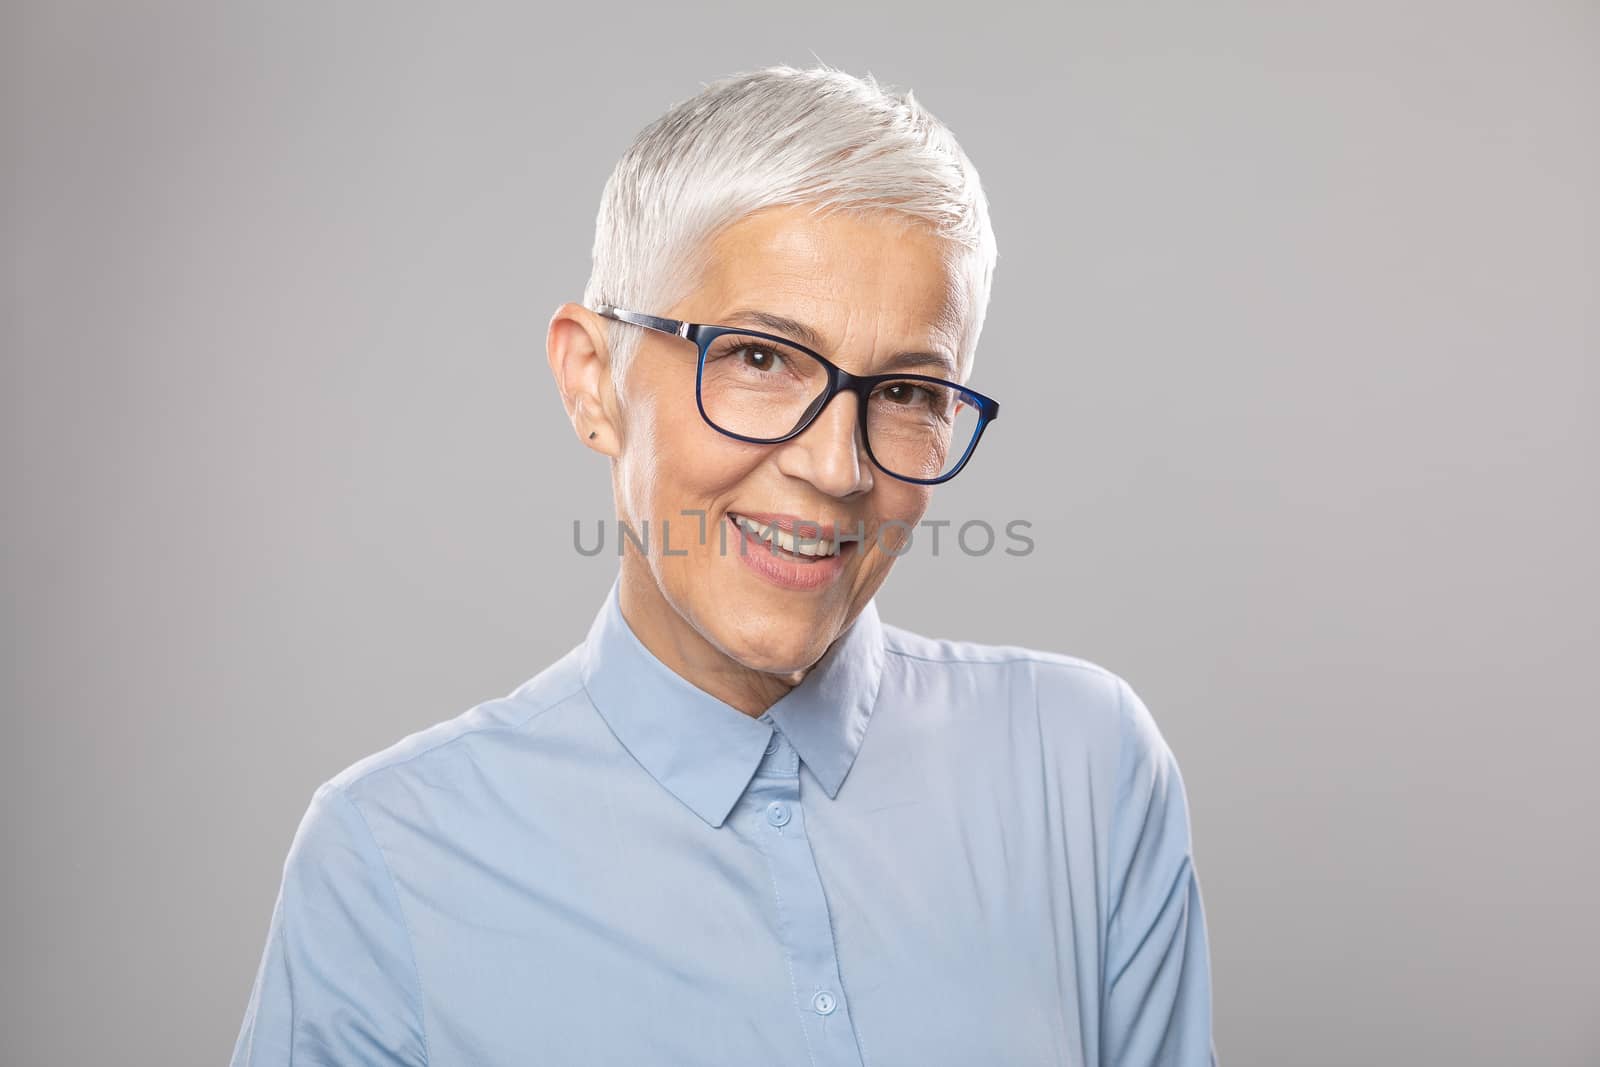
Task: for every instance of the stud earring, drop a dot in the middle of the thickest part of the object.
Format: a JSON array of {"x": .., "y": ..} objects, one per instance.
[{"x": 593, "y": 434}]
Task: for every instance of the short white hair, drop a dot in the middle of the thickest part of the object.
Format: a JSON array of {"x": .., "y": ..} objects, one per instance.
[{"x": 771, "y": 137}]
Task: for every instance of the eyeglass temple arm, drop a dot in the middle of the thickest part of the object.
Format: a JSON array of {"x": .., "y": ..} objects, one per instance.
[{"x": 649, "y": 322}]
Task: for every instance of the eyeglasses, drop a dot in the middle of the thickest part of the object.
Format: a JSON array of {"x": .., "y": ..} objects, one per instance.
[{"x": 766, "y": 389}]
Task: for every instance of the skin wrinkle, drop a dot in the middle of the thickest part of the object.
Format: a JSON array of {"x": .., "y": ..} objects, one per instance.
[{"x": 872, "y": 286}]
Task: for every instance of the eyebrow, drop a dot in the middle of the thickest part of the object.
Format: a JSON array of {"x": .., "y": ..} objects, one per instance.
[{"x": 782, "y": 324}]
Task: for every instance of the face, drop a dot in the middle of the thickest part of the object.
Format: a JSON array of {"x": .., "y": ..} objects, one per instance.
[{"x": 870, "y": 288}]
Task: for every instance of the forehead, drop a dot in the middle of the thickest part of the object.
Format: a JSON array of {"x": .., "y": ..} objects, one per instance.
[{"x": 873, "y": 278}]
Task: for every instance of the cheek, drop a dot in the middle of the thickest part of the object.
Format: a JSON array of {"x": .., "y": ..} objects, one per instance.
[
  {"x": 904, "y": 502},
  {"x": 899, "y": 508},
  {"x": 672, "y": 460}
]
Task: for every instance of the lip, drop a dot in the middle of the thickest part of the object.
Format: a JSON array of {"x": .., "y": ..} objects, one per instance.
[{"x": 776, "y": 566}]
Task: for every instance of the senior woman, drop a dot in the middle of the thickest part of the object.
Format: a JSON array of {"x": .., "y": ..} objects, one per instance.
[{"x": 746, "y": 821}]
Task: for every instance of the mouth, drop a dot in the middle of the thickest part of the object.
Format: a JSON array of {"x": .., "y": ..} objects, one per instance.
[
  {"x": 791, "y": 553},
  {"x": 793, "y": 539}
]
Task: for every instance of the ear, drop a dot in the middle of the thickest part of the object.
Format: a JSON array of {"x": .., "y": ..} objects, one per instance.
[{"x": 580, "y": 360}]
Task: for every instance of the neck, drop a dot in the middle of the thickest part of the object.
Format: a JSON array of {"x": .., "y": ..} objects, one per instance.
[{"x": 673, "y": 641}]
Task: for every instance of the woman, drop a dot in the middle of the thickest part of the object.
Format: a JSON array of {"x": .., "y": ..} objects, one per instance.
[{"x": 745, "y": 820}]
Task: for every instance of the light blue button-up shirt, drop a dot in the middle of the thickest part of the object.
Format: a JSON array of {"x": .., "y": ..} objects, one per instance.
[{"x": 929, "y": 852}]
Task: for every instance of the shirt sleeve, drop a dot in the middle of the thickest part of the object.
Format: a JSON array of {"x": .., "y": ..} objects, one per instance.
[
  {"x": 337, "y": 983},
  {"x": 1156, "y": 1008}
]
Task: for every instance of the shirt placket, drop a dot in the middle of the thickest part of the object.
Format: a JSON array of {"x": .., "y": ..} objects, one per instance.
[{"x": 776, "y": 820}]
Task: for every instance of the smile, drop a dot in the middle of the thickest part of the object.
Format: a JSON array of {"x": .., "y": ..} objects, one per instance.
[
  {"x": 804, "y": 545},
  {"x": 791, "y": 553}
]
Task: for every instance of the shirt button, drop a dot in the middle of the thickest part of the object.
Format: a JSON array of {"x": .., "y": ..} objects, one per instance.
[
  {"x": 777, "y": 813},
  {"x": 823, "y": 1003},
  {"x": 772, "y": 744}
]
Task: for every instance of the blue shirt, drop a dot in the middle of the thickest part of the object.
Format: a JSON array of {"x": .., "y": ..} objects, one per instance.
[{"x": 929, "y": 852}]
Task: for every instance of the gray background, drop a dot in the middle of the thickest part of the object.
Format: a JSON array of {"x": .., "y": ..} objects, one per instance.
[{"x": 1295, "y": 330}]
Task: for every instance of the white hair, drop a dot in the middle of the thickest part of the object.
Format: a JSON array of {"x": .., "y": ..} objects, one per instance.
[{"x": 779, "y": 136}]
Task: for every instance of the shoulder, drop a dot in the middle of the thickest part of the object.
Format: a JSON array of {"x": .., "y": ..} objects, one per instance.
[
  {"x": 1080, "y": 705},
  {"x": 426, "y": 753}
]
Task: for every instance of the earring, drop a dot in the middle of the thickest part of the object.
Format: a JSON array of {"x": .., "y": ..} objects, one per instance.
[{"x": 593, "y": 434}]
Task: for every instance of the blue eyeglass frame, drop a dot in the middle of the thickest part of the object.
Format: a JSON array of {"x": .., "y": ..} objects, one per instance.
[{"x": 839, "y": 380}]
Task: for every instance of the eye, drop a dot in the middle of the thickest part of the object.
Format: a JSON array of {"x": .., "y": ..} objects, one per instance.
[
  {"x": 907, "y": 393},
  {"x": 758, "y": 357}
]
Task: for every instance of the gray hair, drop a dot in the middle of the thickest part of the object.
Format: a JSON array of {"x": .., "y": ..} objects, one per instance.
[{"x": 771, "y": 137}]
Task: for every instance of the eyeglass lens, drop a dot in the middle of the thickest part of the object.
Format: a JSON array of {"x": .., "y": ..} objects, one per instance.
[{"x": 755, "y": 387}]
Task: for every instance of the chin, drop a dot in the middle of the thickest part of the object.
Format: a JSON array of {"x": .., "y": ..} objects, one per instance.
[{"x": 772, "y": 645}]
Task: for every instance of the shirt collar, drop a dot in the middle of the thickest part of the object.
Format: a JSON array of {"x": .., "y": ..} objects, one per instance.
[{"x": 705, "y": 751}]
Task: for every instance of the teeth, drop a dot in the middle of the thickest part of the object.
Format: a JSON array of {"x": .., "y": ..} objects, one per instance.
[{"x": 786, "y": 540}]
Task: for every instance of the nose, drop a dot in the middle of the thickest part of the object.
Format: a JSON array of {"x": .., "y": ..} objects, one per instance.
[{"x": 830, "y": 453}]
